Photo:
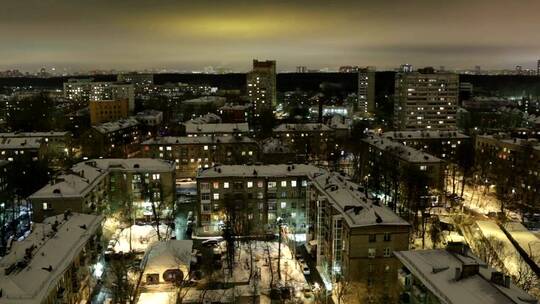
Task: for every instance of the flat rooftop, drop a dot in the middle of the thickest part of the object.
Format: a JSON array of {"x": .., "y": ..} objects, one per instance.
[
  {"x": 201, "y": 140},
  {"x": 401, "y": 151},
  {"x": 28, "y": 281},
  {"x": 436, "y": 269}
]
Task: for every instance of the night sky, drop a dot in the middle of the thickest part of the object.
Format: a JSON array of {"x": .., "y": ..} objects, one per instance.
[{"x": 188, "y": 35}]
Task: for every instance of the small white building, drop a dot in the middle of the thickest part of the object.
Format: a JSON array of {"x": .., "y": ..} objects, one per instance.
[{"x": 167, "y": 262}]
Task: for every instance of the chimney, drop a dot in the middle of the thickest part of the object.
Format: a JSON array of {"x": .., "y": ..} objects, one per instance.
[
  {"x": 457, "y": 275},
  {"x": 507, "y": 281}
]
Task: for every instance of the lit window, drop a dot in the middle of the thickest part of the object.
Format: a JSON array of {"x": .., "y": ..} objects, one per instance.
[
  {"x": 226, "y": 185},
  {"x": 283, "y": 183},
  {"x": 46, "y": 206},
  {"x": 423, "y": 168},
  {"x": 372, "y": 252},
  {"x": 293, "y": 183},
  {"x": 271, "y": 184},
  {"x": 260, "y": 184},
  {"x": 283, "y": 205},
  {"x": 216, "y": 196},
  {"x": 215, "y": 185},
  {"x": 205, "y": 148}
]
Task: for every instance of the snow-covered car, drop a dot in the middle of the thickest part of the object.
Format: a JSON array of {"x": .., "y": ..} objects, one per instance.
[{"x": 306, "y": 270}]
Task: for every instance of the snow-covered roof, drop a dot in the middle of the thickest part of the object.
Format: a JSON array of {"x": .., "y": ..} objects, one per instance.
[
  {"x": 307, "y": 127},
  {"x": 259, "y": 170},
  {"x": 206, "y": 99},
  {"x": 436, "y": 269},
  {"x": 201, "y": 140},
  {"x": 170, "y": 254},
  {"x": 113, "y": 126},
  {"x": 32, "y": 283},
  {"x": 351, "y": 201},
  {"x": 217, "y": 128},
  {"x": 35, "y": 134},
  {"x": 235, "y": 107},
  {"x": 148, "y": 114},
  {"x": 339, "y": 122},
  {"x": 20, "y": 143},
  {"x": 527, "y": 240},
  {"x": 84, "y": 176},
  {"x": 208, "y": 118},
  {"x": 399, "y": 135},
  {"x": 274, "y": 145},
  {"x": 401, "y": 151}
]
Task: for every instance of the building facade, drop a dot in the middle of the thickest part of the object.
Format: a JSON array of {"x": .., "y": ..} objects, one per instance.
[
  {"x": 512, "y": 165},
  {"x": 191, "y": 154},
  {"x": 112, "y": 139},
  {"x": 107, "y": 110},
  {"x": 425, "y": 100},
  {"x": 85, "y": 90},
  {"x": 55, "y": 263},
  {"x": 261, "y": 86},
  {"x": 313, "y": 141},
  {"x": 106, "y": 185},
  {"x": 441, "y": 144},
  {"x": 366, "y": 92}
]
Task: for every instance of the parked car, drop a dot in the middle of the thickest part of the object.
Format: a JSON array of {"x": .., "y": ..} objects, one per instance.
[{"x": 306, "y": 270}]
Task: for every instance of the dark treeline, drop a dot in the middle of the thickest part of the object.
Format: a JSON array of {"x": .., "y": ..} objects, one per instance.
[{"x": 490, "y": 85}]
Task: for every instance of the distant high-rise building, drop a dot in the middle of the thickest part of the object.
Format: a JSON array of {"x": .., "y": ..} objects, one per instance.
[
  {"x": 477, "y": 70},
  {"x": 519, "y": 69},
  {"x": 261, "y": 86},
  {"x": 406, "y": 68},
  {"x": 366, "y": 91},
  {"x": 426, "y": 100},
  {"x": 538, "y": 67},
  {"x": 301, "y": 69}
]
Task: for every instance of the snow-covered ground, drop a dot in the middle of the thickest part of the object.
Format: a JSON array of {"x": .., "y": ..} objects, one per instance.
[{"x": 138, "y": 237}]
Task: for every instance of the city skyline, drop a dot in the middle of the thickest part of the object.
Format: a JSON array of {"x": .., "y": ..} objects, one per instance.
[{"x": 136, "y": 35}]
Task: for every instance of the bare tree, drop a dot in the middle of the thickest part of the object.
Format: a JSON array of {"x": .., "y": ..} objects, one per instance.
[
  {"x": 118, "y": 281},
  {"x": 490, "y": 250},
  {"x": 342, "y": 288}
]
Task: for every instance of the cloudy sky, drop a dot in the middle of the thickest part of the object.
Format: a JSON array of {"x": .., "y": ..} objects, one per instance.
[{"x": 188, "y": 35}]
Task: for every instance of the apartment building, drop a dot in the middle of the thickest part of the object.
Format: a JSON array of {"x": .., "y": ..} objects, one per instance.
[
  {"x": 354, "y": 236},
  {"x": 513, "y": 164},
  {"x": 55, "y": 146},
  {"x": 13, "y": 148},
  {"x": 191, "y": 154},
  {"x": 260, "y": 194},
  {"x": 313, "y": 141},
  {"x": 366, "y": 92},
  {"x": 442, "y": 144},
  {"x": 425, "y": 100},
  {"x": 107, "y": 110},
  {"x": 234, "y": 113},
  {"x": 100, "y": 185},
  {"x": 261, "y": 86},
  {"x": 352, "y": 233},
  {"x": 118, "y": 138},
  {"x": 55, "y": 263},
  {"x": 455, "y": 275},
  {"x": 85, "y": 90},
  {"x": 386, "y": 162}
]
